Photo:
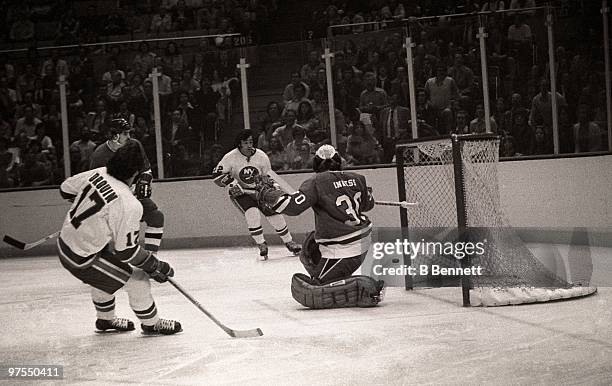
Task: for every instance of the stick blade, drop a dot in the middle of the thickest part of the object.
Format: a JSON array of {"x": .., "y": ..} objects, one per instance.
[
  {"x": 15, "y": 243},
  {"x": 246, "y": 333}
]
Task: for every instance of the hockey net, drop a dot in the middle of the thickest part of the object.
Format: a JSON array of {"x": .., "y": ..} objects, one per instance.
[{"x": 461, "y": 172}]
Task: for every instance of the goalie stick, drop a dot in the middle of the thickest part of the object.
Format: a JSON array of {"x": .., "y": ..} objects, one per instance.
[
  {"x": 233, "y": 333},
  {"x": 25, "y": 246},
  {"x": 403, "y": 204}
]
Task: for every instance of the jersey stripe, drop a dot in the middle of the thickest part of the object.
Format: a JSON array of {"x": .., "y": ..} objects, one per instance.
[
  {"x": 345, "y": 239},
  {"x": 72, "y": 258}
]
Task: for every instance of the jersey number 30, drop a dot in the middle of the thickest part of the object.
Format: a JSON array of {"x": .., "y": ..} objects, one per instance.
[
  {"x": 98, "y": 201},
  {"x": 352, "y": 208}
]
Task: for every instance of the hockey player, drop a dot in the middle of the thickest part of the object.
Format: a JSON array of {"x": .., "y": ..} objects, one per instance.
[
  {"x": 341, "y": 239},
  {"x": 98, "y": 243},
  {"x": 238, "y": 169},
  {"x": 154, "y": 218}
]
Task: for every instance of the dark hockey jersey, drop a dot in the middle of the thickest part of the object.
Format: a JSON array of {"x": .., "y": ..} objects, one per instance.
[
  {"x": 103, "y": 154},
  {"x": 339, "y": 200}
]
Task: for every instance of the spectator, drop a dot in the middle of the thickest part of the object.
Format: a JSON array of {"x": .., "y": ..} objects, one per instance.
[
  {"x": 114, "y": 90},
  {"x": 400, "y": 87},
  {"x": 22, "y": 29},
  {"x": 516, "y": 107},
  {"x": 492, "y": 6},
  {"x": 45, "y": 143},
  {"x": 394, "y": 120},
  {"x": 506, "y": 147},
  {"x": 519, "y": 33},
  {"x": 33, "y": 172},
  {"x": 164, "y": 80},
  {"x": 270, "y": 123},
  {"x": 289, "y": 93},
  {"x": 521, "y": 132},
  {"x": 58, "y": 67},
  {"x": 299, "y": 97},
  {"x": 84, "y": 147},
  {"x": 115, "y": 23},
  {"x": 188, "y": 84},
  {"x": 6, "y": 164},
  {"x": 28, "y": 122},
  {"x": 145, "y": 57},
  {"x": 303, "y": 157},
  {"x": 587, "y": 134},
  {"x": 372, "y": 99},
  {"x": 285, "y": 132},
  {"x": 440, "y": 91},
  {"x": 463, "y": 76},
  {"x": 176, "y": 131},
  {"x": 277, "y": 155},
  {"x": 308, "y": 72},
  {"x": 161, "y": 21},
  {"x": 125, "y": 113},
  {"x": 8, "y": 98},
  {"x": 98, "y": 120},
  {"x": 68, "y": 28},
  {"x": 199, "y": 68},
  {"x": 542, "y": 143},
  {"x": 183, "y": 17},
  {"x": 478, "y": 124},
  {"x": 362, "y": 148},
  {"x": 306, "y": 117},
  {"x": 173, "y": 60},
  {"x": 541, "y": 106},
  {"x": 299, "y": 136},
  {"x": 461, "y": 123}
]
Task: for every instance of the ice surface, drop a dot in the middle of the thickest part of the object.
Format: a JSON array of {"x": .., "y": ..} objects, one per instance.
[{"x": 417, "y": 337}]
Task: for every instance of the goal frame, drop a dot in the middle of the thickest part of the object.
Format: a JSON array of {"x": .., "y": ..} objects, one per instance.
[{"x": 460, "y": 202}]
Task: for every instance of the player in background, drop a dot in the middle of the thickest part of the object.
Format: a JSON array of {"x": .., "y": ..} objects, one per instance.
[
  {"x": 238, "y": 169},
  {"x": 152, "y": 216},
  {"x": 98, "y": 243},
  {"x": 341, "y": 239}
]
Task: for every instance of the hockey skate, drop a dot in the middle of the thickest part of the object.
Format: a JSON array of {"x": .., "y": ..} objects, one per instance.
[
  {"x": 293, "y": 247},
  {"x": 162, "y": 327},
  {"x": 263, "y": 251},
  {"x": 115, "y": 325}
]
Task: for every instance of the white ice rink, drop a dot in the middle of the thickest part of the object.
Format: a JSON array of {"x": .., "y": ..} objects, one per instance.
[{"x": 417, "y": 337}]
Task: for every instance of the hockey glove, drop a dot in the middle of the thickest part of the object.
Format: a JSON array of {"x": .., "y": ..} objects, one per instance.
[
  {"x": 143, "y": 186},
  {"x": 157, "y": 269},
  {"x": 235, "y": 189}
]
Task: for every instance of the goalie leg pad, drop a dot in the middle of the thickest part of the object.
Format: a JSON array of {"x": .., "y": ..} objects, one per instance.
[{"x": 353, "y": 291}]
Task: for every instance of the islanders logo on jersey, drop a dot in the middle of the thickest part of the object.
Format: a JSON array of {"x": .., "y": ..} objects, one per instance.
[{"x": 247, "y": 174}]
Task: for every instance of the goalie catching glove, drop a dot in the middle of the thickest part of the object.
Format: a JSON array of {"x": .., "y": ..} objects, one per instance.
[
  {"x": 268, "y": 193},
  {"x": 143, "y": 185}
]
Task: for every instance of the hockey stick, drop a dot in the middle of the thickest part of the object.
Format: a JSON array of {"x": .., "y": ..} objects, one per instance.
[
  {"x": 25, "y": 246},
  {"x": 233, "y": 333},
  {"x": 403, "y": 204}
]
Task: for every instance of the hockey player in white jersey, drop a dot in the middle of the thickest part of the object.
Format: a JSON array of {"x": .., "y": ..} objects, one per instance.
[
  {"x": 239, "y": 169},
  {"x": 98, "y": 243}
]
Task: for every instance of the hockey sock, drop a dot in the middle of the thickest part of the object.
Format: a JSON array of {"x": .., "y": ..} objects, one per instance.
[
  {"x": 155, "y": 229},
  {"x": 253, "y": 220},
  {"x": 104, "y": 303},
  {"x": 138, "y": 289},
  {"x": 278, "y": 222}
]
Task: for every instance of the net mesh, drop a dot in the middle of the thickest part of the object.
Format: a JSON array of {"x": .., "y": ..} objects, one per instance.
[{"x": 511, "y": 274}]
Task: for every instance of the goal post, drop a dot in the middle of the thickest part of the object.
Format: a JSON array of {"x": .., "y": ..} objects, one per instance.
[{"x": 454, "y": 179}]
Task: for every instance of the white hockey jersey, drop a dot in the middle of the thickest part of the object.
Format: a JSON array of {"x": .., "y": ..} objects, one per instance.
[
  {"x": 104, "y": 211},
  {"x": 242, "y": 168}
]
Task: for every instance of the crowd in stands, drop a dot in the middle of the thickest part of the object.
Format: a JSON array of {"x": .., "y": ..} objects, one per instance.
[
  {"x": 77, "y": 22},
  {"x": 199, "y": 88},
  {"x": 371, "y": 91}
]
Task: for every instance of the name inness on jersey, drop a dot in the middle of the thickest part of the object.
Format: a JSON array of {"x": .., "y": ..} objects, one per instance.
[
  {"x": 345, "y": 183},
  {"x": 103, "y": 187}
]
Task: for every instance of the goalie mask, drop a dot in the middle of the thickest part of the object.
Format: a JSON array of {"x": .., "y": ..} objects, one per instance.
[{"x": 326, "y": 158}]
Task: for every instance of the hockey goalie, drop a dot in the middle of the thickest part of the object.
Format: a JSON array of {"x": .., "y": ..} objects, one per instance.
[{"x": 342, "y": 236}]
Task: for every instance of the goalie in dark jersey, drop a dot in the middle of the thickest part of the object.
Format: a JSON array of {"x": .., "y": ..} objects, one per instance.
[
  {"x": 341, "y": 239},
  {"x": 154, "y": 218}
]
